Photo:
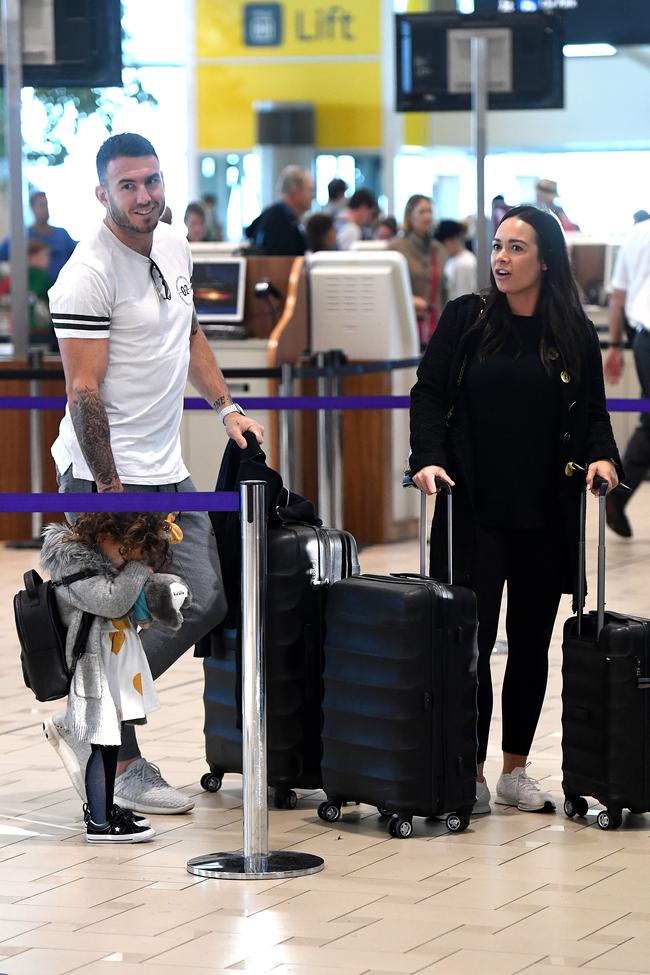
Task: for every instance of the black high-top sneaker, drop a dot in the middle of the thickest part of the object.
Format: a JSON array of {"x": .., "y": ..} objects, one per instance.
[
  {"x": 118, "y": 811},
  {"x": 119, "y": 829}
]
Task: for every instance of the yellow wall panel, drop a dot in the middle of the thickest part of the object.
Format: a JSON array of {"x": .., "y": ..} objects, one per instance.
[
  {"x": 308, "y": 27},
  {"x": 347, "y": 99},
  {"x": 416, "y": 129}
]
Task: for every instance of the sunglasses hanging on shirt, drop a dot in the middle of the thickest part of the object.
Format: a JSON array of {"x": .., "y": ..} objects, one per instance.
[{"x": 159, "y": 283}]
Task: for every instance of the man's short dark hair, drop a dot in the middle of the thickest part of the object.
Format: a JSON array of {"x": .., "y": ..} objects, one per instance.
[
  {"x": 363, "y": 198},
  {"x": 34, "y": 195},
  {"x": 449, "y": 230},
  {"x": 336, "y": 188},
  {"x": 124, "y": 144}
]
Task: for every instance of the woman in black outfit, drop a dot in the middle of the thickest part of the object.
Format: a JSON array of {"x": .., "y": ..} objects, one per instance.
[{"x": 510, "y": 392}]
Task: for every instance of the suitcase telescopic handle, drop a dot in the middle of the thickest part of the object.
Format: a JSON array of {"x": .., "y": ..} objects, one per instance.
[
  {"x": 602, "y": 486},
  {"x": 445, "y": 488}
]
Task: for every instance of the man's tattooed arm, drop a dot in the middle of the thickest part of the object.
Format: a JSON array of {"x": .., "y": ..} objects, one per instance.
[
  {"x": 90, "y": 423},
  {"x": 194, "y": 327}
]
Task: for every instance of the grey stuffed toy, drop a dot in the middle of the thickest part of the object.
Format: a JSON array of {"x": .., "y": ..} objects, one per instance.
[{"x": 158, "y": 592}]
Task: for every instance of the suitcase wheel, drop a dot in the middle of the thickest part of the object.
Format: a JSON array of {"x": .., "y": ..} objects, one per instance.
[
  {"x": 609, "y": 818},
  {"x": 383, "y": 812},
  {"x": 457, "y": 822},
  {"x": 330, "y": 812},
  {"x": 400, "y": 827},
  {"x": 575, "y": 806},
  {"x": 285, "y": 800},
  {"x": 211, "y": 782}
]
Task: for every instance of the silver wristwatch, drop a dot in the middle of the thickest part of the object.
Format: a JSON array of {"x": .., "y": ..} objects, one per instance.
[{"x": 231, "y": 408}]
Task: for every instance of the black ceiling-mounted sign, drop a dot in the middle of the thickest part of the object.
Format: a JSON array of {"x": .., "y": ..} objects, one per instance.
[
  {"x": 616, "y": 22},
  {"x": 525, "y": 61},
  {"x": 87, "y": 47}
]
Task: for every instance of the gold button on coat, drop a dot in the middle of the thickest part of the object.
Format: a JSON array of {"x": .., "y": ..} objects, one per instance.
[{"x": 565, "y": 377}]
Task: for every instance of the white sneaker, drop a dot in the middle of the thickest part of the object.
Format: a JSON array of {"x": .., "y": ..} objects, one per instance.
[
  {"x": 142, "y": 788},
  {"x": 516, "y": 788},
  {"x": 74, "y": 754},
  {"x": 482, "y": 804}
]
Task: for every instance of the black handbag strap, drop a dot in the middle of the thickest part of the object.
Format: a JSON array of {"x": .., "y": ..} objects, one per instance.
[{"x": 463, "y": 367}]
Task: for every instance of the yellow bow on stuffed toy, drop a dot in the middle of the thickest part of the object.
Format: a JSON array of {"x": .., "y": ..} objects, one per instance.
[{"x": 175, "y": 530}]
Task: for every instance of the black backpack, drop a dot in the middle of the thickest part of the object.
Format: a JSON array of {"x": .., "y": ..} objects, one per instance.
[{"x": 42, "y": 636}]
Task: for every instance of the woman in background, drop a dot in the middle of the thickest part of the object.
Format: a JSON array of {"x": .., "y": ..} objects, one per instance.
[{"x": 425, "y": 259}]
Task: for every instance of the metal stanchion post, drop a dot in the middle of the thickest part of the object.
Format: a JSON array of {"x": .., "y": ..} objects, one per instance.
[
  {"x": 255, "y": 862},
  {"x": 336, "y": 447},
  {"x": 34, "y": 361},
  {"x": 286, "y": 427},
  {"x": 323, "y": 446},
  {"x": 36, "y": 444}
]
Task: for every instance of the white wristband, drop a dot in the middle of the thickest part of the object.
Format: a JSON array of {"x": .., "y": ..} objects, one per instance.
[{"x": 231, "y": 408}]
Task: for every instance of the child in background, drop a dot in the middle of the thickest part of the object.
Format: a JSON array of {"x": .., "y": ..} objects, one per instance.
[{"x": 123, "y": 554}]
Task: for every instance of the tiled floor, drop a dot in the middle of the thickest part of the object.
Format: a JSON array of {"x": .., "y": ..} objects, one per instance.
[{"x": 516, "y": 892}]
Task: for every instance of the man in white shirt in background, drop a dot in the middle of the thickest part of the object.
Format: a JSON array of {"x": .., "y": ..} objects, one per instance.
[
  {"x": 361, "y": 212},
  {"x": 459, "y": 272},
  {"x": 631, "y": 297},
  {"x": 123, "y": 313}
]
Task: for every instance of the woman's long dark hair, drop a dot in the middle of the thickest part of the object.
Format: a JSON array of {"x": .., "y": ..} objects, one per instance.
[{"x": 563, "y": 319}]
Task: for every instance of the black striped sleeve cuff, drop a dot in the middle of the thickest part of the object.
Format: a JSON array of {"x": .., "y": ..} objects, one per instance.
[{"x": 82, "y": 323}]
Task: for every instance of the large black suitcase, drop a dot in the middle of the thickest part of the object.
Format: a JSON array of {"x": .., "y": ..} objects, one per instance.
[
  {"x": 605, "y": 703},
  {"x": 303, "y": 559},
  {"x": 400, "y": 697}
]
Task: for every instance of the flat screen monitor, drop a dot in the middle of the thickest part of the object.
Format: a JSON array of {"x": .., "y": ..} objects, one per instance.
[
  {"x": 525, "y": 61},
  {"x": 218, "y": 283},
  {"x": 362, "y": 304},
  {"x": 586, "y": 21}
]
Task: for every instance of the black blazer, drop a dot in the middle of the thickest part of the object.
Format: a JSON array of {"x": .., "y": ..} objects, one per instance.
[{"x": 441, "y": 433}]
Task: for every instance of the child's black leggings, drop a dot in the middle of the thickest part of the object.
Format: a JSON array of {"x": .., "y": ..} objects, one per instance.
[
  {"x": 528, "y": 562},
  {"x": 100, "y": 781}
]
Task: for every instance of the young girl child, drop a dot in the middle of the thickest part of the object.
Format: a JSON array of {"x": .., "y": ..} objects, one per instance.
[{"x": 123, "y": 554}]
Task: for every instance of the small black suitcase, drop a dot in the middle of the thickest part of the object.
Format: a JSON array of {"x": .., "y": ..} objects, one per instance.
[
  {"x": 605, "y": 703},
  {"x": 303, "y": 559},
  {"x": 400, "y": 697}
]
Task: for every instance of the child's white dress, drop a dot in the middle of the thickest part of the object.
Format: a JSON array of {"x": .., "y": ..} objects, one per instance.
[{"x": 127, "y": 670}]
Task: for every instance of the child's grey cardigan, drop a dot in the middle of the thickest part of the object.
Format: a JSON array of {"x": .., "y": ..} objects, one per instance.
[{"x": 111, "y": 594}]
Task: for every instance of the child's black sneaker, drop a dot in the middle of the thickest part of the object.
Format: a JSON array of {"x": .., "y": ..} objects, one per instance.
[
  {"x": 119, "y": 811},
  {"x": 119, "y": 829}
]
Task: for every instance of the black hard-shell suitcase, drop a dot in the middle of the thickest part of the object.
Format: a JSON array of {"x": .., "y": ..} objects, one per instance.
[
  {"x": 605, "y": 704},
  {"x": 303, "y": 559},
  {"x": 400, "y": 697}
]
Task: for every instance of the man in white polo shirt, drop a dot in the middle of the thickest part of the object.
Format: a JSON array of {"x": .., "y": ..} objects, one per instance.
[
  {"x": 631, "y": 293},
  {"x": 123, "y": 313}
]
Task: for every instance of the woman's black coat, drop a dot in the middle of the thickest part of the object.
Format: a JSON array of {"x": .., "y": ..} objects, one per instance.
[{"x": 441, "y": 435}]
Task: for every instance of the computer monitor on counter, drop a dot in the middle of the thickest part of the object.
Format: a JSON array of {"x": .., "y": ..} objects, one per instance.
[
  {"x": 218, "y": 281},
  {"x": 362, "y": 304}
]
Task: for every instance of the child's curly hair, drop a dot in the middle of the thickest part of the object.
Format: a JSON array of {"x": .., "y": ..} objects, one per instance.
[{"x": 146, "y": 533}]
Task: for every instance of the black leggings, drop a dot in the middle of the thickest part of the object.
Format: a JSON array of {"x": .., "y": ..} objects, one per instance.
[
  {"x": 528, "y": 561},
  {"x": 100, "y": 781}
]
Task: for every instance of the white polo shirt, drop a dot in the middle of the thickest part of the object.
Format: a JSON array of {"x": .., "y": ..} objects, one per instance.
[
  {"x": 106, "y": 291},
  {"x": 632, "y": 269}
]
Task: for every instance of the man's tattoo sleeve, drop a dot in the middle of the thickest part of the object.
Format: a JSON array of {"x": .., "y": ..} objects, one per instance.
[{"x": 90, "y": 423}]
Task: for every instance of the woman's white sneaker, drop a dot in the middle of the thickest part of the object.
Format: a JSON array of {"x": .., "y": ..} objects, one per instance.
[
  {"x": 482, "y": 804},
  {"x": 518, "y": 789}
]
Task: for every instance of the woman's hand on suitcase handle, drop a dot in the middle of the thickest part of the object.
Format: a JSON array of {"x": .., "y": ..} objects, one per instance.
[
  {"x": 606, "y": 471},
  {"x": 425, "y": 479}
]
